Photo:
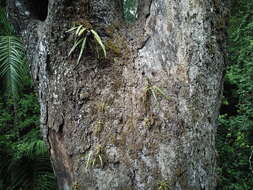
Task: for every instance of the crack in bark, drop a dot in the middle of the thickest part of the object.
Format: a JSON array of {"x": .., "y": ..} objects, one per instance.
[{"x": 144, "y": 43}]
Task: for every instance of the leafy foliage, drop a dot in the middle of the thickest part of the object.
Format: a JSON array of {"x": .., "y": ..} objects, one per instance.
[
  {"x": 24, "y": 159},
  {"x": 23, "y": 155},
  {"x": 6, "y": 27},
  {"x": 235, "y": 133},
  {"x": 94, "y": 157},
  {"x": 13, "y": 68},
  {"x": 82, "y": 34},
  {"x": 130, "y": 10}
]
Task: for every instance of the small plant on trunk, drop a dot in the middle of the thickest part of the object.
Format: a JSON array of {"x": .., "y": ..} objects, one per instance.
[
  {"x": 82, "y": 33},
  {"x": 95, "y": 157}
]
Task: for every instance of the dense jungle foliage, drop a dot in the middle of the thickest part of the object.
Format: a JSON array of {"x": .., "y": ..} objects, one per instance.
[
  {"x": 235, "y": 132},
  {"x": 24, "y": 161}
]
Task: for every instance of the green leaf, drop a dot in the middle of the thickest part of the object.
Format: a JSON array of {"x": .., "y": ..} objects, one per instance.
[
  {"x": 6, "y": 28},
  {"x": 161, "y": 92},
  {"x": 82, "y": 49},
  {"x": 13, "y": 67},
  {"x": 74, "y": 46},
  {"x": 82, "y": 31},
  {"x": 88, "y": 160},
  {"x": 71, "y": 29},
  {"x": 101, "y": 160},
  {"x": 154, "y": 95},
  {"x": 99, "y": 41},
  {"x": 78, "y": 29}
]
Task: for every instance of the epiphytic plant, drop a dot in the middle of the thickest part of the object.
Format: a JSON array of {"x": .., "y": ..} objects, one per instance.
[
  {"x": 95, "y": 157},
  {"x": 163, "y": 185},
  {"x": 154, "y": 90},
  {"x": 82, "y": 33}
]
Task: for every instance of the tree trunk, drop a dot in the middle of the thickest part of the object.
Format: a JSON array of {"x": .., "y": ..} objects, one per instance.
[{"x": 144, "y": 117}]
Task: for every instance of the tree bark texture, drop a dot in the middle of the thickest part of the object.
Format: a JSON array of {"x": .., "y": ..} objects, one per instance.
[{"x": 144, "y": 118}]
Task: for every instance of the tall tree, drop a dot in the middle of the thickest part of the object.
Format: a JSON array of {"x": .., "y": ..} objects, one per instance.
[{"x": 145, "y": 116}]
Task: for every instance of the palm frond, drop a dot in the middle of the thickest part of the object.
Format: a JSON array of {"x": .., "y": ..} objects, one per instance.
[{"x": 13, "y": 68}]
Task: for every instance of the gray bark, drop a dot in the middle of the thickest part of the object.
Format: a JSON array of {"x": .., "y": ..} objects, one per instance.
[{"x": 148, "y": 111}]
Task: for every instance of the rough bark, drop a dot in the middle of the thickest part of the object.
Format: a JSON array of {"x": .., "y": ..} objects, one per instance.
[{"x": 148, "y": 111}]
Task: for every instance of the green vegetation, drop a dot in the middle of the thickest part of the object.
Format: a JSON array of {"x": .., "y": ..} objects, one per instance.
[
  {"x": 95, "y": 157},
  {"x": 154, "y": 90},
  {"x": 23, "y": 155},
  {"x": 235, "y": 133},
  {"x": 130, "y": 10},
  {"x": 163, "y": 185},
  {"x": 13, "y": 67},
  {"x": 24, "y": 161},
  {"x": 82, "y": 33}
]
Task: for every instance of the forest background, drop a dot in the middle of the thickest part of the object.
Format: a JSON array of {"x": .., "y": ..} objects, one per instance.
[{"x": 24, "y": 161}]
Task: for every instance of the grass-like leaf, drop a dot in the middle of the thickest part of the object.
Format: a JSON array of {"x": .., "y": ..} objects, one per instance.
[
  {"x": 88, "y": 160},
  {"x": 75, "y": 46},
  {"x": 101, "y": 160},
  {"x": 161, "y": 92},
  {"x": 78, "y": 29},
  {"x": 82, "y": 49},
  {"x": 82, "y": 31},
  {"x": 72, "y": 29},
  {"x": 98, "y": 40}
]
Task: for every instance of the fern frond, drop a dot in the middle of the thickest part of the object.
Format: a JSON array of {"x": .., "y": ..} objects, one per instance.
[
  {"x": 31, "y": 173},
  {"x": 45, "y": 181},
  {"x": 37, "y": 148},
  {"x": 13, "y": 68}
]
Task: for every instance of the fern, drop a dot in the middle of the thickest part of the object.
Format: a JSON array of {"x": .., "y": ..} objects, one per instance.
[
  {"x": 32, "y": 168},
  {"x": 13, "y": 68}
]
